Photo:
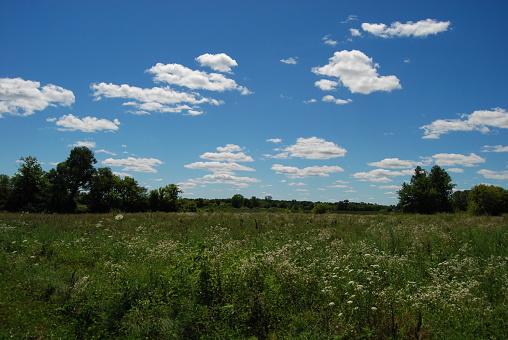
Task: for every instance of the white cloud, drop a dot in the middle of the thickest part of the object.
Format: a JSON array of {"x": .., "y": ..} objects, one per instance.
[
  {"x": 495, "y": 148},
  {"x": 312, "y": 171},
  {"x": 87, "y": 124},
  {"x": 88, "y": 144},
  {"x": 20, "y": 97},
  {"x": 312, "y": 148},
  {"x": 159, "y": 99},
  {"x": 218, "y": 167},
  {"x": 106, "y": 152},
  {"x": 450, "y": 159},
  {"x": 422, "y": 28},
  {"x": 299, "y": 184},
  {"x": 274, "y": 140},
  {"x": 455, "y": 170},
  {"x": 501, "y": 175},
  {"x": 228, "y": 153},
  {"x": 355, "y": 32},
  {"x": 395, "y": 163},
  {"x": 219, "y": 62},
  {"x": 332, "y": 99},
  {"x": 310, "y": 101},
  {"x": 225, "y": 178},
  {"x": 329, "y": 41},
  {"x": 290, "y": 60},
  {"x": 230, "y": 148},
  {"x": 326, "y": 84},
  {"x": 351, "y": 17},
  {"x": 176, "y": 74},
  {"x": 380, "y": 175},
  {"x": 476, "y": 121},
  {"x": 357, "y": 72},
  {"x": 389, "y": 187},
  {"x": 134, "y": 164},
  {"x": 338, "y": 186}
]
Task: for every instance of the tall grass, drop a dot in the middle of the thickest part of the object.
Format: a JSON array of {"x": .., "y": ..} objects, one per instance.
[{"x": 257, "y": 276}]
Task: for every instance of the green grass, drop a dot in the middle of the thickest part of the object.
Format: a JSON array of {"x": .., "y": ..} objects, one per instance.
[{"x": 253, "y": 276}]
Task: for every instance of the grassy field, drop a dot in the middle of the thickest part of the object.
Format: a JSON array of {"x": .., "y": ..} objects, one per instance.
[{"x": 253, "y": 276}]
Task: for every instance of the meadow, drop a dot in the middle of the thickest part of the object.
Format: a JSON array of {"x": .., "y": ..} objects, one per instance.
[{"x": 253, "y": 276}]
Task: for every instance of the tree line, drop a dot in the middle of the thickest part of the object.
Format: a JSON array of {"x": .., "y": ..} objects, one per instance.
[
  {"x": 76, "y": 185},
  {"x": 432, "y": 192}
]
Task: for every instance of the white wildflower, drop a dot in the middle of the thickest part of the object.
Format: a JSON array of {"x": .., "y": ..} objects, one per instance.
[{"x": 119, "y": 217}]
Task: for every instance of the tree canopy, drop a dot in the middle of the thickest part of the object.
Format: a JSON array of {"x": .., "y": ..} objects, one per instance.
[{"x": 427, "y": 193}]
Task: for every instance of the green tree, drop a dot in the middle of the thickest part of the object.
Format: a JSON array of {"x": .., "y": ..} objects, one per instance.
[
  {"x": 70, "y": 177},
  {"x": 237, "y": 201},
  {"x": 29, "y": 187},
  {"x": 5, "y": 190},
  {"x": 320, "y": 208},
  {"x": 165, "y": 199},
  {"x": 102, "y": 197},
  {"x": 131, "y": 195},
  {"x": 426, "y": 193},
  {"x": 459, "y": 200},
  {"x": 488, "y": 200}
]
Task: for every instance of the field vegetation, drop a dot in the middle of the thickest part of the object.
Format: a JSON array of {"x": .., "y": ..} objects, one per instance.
[{"x": 223, "y": 275}]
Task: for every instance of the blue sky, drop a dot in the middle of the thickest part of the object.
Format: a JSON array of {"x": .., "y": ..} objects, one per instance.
[{"x": 307, "y": 100}]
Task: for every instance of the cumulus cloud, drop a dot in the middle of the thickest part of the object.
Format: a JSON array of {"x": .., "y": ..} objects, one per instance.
[
  {"x": 329, "y": 41},
  {"x": 395, "y": 163},
  {"x": 355, "y": 32},
  {"x": 218, "y": 166},
  {"x": 223, "y": 167},
  {"x": 450, "y": 159},
  {"x": 218, "y": 62},
  {"x": 310, "y": 148},
  {"x": 422, "y": 28},
  {"x": 228, "y": 153},
  {"x": 455, "y": 170},
  {"x": 274, "y": 140},
  {"x": 326, "y": 84},
  {"x": 380, "y": 175},
  {"x": 87, "y": 124},
  {"x": 19, "y": 97},
  {"x": 176, "y": 74},
  {"x": 495, "y": 148},
  {"x": 482, "y": 120},
  {"x": 389, "y": 187},
  {"x": 134, "y": 164},
  {"x": 501, "y": 175},
  {"x": 290, "y": 60},
  {"x": 312, "y": 171},
  {"x": 165, "y": 99},
  {"x": 357, "y": 72},
  {"x": 225, "y": 178},
  {"x": 106, "y": 152},
  {"x": 332, "y": 99},
  {"x": 158, "y": 99},
  {"x": 87, "y": 144}
]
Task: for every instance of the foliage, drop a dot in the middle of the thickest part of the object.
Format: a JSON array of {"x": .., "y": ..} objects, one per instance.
[
  {"x": 320, "y": 208},
  {"x": 488, "y": 200},
  {"x": 165, "y": 199},
  {"x": 459, "y": 200},
  {"x": 237, "y": 201},
  {"x": 257, "y": 276},
  {"x": 427, "y": 193},
  {"x": 29, "y": 186}
]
